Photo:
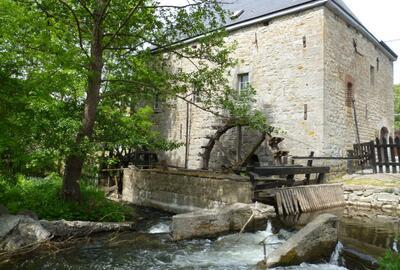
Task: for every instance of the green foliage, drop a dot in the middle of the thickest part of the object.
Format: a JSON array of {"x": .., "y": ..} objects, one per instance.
[
  {"x": 44, "y": 74},
  {"x": 397, "y": 106},
  {"x": 42, "y": 197},
  {"x": 391, "y": 261}
]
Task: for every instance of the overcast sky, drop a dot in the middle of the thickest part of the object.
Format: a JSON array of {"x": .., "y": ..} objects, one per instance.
[{"x": 381, "y": 18}]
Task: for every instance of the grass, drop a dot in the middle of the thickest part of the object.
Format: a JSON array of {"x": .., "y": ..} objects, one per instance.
[
  {"x": 391, "y": 261},
  {"x": 42, "y": 197},
  {"x": 389, "y": 183}
]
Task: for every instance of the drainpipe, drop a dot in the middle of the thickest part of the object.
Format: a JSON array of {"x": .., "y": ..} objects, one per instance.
[{"x": 187, "y": 135}]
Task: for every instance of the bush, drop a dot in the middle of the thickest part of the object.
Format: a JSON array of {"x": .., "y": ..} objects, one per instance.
[
  {"x": 391, "y": 261},
  {"x": 42, "y": 197}
]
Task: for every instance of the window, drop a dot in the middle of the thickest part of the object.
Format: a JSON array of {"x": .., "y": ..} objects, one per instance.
[
  {"x": 372, "y": 75},
  {"x": 157, "y": 104},
  {"x": 243, "y": 81},
  {"x": 196, "y": 95},
  {"x": 349, "y": 94}
]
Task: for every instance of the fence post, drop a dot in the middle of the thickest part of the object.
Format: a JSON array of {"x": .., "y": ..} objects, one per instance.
[
  {"x": 392, "y": 154},
  {"x": 372, "y": 156},
  {"x": 379, "y": 151}
]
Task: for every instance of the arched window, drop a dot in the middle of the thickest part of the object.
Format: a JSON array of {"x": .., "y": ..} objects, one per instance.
[{"x": 384, "y": 133}]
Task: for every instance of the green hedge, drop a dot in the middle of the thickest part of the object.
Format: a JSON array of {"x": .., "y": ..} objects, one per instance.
[{"x": 42, "y": 197}]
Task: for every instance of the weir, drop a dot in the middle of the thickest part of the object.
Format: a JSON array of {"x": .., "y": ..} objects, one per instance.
[{"x": 296, "y": 200}]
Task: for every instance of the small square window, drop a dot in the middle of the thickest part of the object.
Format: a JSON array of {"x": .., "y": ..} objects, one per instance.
[{"x": 243, "y": 81}]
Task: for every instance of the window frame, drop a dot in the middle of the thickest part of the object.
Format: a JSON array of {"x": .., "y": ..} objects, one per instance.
[{"x": 239, "y": 84}]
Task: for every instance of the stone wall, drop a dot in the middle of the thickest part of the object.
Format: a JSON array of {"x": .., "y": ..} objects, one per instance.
[
  {"x": 385, "y": 199},
  {"x": 184, "y": 190},
  {"x": 286, "y": 75},
  {"x": 297, "y": 61},
  {"x": 373, "y": 97}
]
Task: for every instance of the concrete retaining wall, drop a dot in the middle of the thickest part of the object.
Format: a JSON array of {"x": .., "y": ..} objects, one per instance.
[
  {"x": 385, "y": 199},
  {"x": 184, "y": 191}
]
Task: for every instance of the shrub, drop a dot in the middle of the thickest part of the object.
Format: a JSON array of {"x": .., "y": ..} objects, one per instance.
[
  {"x": 391, "y": 261},
  {"x": 42, "y": 197}
]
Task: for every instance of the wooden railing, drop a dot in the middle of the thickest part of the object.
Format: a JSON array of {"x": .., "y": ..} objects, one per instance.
[{"x": 381, "y": 155}]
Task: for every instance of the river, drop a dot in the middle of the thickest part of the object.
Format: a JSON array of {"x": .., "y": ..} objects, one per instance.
[{"x": 362, "y": 240}]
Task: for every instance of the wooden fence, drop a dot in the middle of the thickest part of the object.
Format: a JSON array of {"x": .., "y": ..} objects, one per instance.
[{"x": 381, "y": 155}]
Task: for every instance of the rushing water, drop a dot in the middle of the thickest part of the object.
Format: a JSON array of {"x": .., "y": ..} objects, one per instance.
[{"x": 152, "y": 248}]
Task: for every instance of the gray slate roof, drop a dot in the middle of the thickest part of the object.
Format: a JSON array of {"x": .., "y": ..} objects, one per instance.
[{"x": 257, "y": 8}]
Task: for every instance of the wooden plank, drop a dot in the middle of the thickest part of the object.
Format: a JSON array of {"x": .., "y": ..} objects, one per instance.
[
  {"x": 284, "y": 200},
  {"x": 386, "y": 155},
  {"x": 310, "y": 199},
  {"x": 279, "y": 203},
  {"x": 309, "y": 164},
  {"x": 295, "y": 201},
  {"x": 372, "y": 156},
  {"x": 290, "y": 201},
  {"x": 397, "y": 142},
  {"x": 387, "y": 163},
  {"x": 267, "y": 171},
  {"x": 392, "y": 155},
  {"x": 379, "y": 148},
  {"x": 301, "y": 202},
  {"x": 305, "y": 202}
]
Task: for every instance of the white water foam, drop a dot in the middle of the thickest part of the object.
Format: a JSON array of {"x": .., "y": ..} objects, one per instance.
[
  {"x": 230, "y": 250},
  {"x": 238, "y": 251},
  {"x": 161, "y": 227},
  {"x": 336, "y": 254}
]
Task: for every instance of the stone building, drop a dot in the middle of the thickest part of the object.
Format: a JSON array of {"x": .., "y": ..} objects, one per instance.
[{"x": 307, "y": 60}]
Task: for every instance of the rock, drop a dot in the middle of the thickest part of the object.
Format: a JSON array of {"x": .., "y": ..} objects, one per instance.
[
  {"x": 64, "y": 228},
  {"x": 387, "y": 197},
  {"x": 20, "y": 231},
  {"x": 211, "y": 222},
  {"x": 3, "y": 210},
  {"x": 315, "y": 241},
  {"x": 28, "y": 213}
]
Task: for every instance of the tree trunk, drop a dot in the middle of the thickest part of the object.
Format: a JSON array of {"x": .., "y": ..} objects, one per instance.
[{"x": 74, "y": 162}]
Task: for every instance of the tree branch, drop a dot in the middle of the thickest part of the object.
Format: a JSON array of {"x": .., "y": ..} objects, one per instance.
[
  {"x": 86, "y": 8},
  {"x": 78, "y": 25},
  {"x": 201, "y": 108},
  {"x": 123, "y": 24},
  {"x": 105, "y": 10}
]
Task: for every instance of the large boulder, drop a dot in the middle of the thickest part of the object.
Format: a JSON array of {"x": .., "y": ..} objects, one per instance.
[
  {"x": 212, "y": 222},
  {"x": 314, "y": 242},
  {"x": 20, "y": 231},
  {"x": 65, "y": 228}
]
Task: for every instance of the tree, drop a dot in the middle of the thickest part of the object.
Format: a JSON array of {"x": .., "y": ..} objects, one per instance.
[
  {"x": 397, "y": 106},
  {"x": 104, "y": 49}
]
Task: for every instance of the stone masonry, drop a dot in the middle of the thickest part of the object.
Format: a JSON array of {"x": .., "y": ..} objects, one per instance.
[
  {"x": 297, "y": 61},
  {"x": 184, "y": 191},
  {"x": 369, "y": 197}
]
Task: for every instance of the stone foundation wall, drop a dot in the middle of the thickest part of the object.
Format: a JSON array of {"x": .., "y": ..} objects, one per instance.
[
  {"x": 184, "y": 190},
  {"x": 385, "y": 199}
]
